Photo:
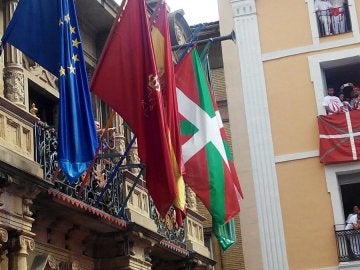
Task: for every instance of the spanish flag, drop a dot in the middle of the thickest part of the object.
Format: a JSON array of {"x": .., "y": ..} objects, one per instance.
[{"x": 163, "y": 55}]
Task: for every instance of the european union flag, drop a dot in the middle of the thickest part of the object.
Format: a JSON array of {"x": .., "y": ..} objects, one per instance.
[{"x": 48, "y": 32}]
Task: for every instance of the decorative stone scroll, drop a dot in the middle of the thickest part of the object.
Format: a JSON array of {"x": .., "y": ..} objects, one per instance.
[{"x": 14, "y": 86}]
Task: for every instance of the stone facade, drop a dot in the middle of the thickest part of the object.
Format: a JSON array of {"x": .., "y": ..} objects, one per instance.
[{"x": 45, "y": 223}]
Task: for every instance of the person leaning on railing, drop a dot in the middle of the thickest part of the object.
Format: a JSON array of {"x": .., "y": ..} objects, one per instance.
[{"x": 354, "y": 238}]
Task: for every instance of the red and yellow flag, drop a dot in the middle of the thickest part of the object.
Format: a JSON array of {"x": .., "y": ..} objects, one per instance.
[
  {"x": 163, "y": 55},
  {"x": 126, "y": 79}
]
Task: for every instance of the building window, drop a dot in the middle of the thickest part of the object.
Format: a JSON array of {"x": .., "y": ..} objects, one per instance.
[
  {"x": 333, "y": 17},
  {"x": 45, "y": 103}
]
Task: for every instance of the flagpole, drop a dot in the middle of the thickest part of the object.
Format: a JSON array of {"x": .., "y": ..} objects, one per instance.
[
  {"x": 215, "y": 39},
  {"x": 189, "y": 45}
]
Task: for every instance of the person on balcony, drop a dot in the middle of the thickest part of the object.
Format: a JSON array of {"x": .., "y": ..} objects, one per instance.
[
  {"x": 346, "y": 103},
  {"x": 322, "y": 8},
  {"x": 332, "y": 103},
  {"x": 338, "y": 16},
  {"x": 354, "y": 213},
  {"x": 354, "y": 235}
]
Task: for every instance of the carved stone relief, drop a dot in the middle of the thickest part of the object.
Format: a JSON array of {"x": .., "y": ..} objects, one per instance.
[
  {"x": 190, "y": 199},
  {"x": 14, "y": 86},
  {"x": 39, "y": 72}
]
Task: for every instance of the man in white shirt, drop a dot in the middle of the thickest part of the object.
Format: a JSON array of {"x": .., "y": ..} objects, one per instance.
[
  {"x": 354, "y": 224},
  {"x": 322, "y": 8},
  {"x": 338, "y": 16},
  {"x": 332, "y": 103}
]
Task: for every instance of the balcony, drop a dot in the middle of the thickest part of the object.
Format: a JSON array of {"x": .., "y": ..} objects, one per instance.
[
  {"x": 348, "y": 244},
  {"x": 333, "y": 21},
  {"x": 125, "y": 198}
]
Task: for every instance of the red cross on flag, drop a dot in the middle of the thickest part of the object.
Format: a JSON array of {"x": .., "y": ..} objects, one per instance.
[{"x": 339, "y": 137}]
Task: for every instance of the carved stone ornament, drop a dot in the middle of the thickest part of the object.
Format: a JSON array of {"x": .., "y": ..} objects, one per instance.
[
  {"x": 69, "y": 265},
  {"x": 26, "y": 207},
  {"x": 52, "y": 262},
  {"x": 39, "y": 72},
  {"x": 25, "y": 244},
  {"x": 190, "y": 199},
  {"x": 134, "y": 159},
  {"x": 4, "y": 236},
  {"x": 14, "y": 86}
]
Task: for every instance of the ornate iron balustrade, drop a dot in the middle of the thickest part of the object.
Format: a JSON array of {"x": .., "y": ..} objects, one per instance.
[
  {"x": 348, "y": 243},
  {"x": 114, "y": 199},
  {"x": 167, "y": 226}
]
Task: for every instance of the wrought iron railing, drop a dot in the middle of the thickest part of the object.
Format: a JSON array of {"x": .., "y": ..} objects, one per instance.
[
  {"x": 333, "y": 20},
  {"x": 113, "y": 199},
  {"x": 168, "y": 226},
  {"x": 348, "y": 243}
]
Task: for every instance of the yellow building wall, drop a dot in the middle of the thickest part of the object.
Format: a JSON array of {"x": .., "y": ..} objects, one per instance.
[
  {"x": 292, "y": 105},
  {"x": 283, "y": 24},
  {"x": 307, "y": 215}
]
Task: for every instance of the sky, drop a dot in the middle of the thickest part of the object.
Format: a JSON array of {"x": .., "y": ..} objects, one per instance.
[{"x": 196, "y": 11}]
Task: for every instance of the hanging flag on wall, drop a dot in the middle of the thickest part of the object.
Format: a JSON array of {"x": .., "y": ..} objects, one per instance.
[
  {"x": 126, "y": 79},
  {"x": 206, "y": 154},
  {"x": 339, "y": 137},
  {"x": 164, "y": 61},
  {"x": 48, "y": 32}
]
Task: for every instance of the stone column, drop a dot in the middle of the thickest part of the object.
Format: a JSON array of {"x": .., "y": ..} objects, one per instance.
[
  {"x": 19, "y": 251},
  {"x": 3, "y": 248},
  {"x": 14, "y": 86},
  {"x": 271, "y": 230}
]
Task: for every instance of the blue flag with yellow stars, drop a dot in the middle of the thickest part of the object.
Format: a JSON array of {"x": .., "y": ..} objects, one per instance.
[{"x": 47, "y": 31}]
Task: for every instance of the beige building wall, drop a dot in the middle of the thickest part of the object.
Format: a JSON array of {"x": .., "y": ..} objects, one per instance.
[
  {"x": 289, "y": 184},
  {"x": 307, "y": 215}
]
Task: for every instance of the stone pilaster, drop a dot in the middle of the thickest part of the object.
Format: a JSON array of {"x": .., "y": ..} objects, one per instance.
[
  {"x": 271, "y": 231},
  {"x": 19, "y": 249},
  {"x": 14, "y": 85}
]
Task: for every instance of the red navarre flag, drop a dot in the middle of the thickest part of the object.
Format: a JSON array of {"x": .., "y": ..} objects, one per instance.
[
  {"x": 126, "y": 79},
  {"x": 163, "y": 54},
  {"x": 339, "y": 137}
]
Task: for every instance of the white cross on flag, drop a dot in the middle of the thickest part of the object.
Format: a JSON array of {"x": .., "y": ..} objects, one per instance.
[{"x": 339, "y": 137}]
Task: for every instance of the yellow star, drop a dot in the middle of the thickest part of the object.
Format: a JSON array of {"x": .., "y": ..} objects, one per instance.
[
  {"x": 72, "y": 69},
  {"x": 62, "y": 71},
  {"x": 76, "y": 43},
  {"x": 67, "y": 18},
  {"x": 60, "y": 22},
  {"x": 75, "y": 58},
  {"x": 72, "y": 30}
]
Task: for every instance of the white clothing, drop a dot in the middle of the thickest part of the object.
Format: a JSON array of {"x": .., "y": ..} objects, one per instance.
[
  {"x": 352, "y": 221},
  {"x": 338, "y": 17},
  {"x": 334, "y": 103},
  {"x": 337, "y": 3},
  {"x": 348, "y": 218},
  {"x": 353, "y": 238},
  {"x": 323, "y": 7},
  {"x": 323, "y": 11}
]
